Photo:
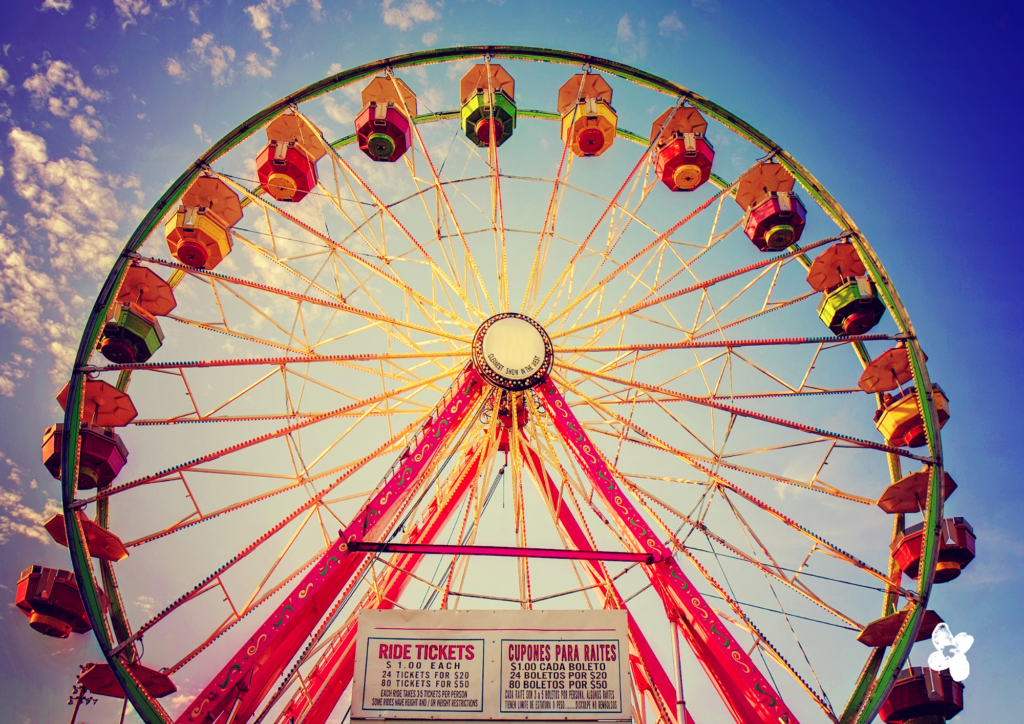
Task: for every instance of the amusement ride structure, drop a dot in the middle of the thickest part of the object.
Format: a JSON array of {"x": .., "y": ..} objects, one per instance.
[{"x": 462, "y": 358}]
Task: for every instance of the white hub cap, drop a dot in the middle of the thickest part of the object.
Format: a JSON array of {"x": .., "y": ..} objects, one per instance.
[{"x": 512, "y": 351}]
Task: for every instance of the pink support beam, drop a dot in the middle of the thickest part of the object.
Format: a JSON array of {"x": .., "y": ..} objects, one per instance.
[
  {"x": 328, "y": 680},
  {"x": 503, "y": 551},
  {"x": 743, "y": 688},
  {"x": 648, "y": 673},
  {"x": 250, "y": 674}
]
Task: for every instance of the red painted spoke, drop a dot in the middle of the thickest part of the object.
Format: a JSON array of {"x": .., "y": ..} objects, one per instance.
[
  {"x": 626, "y": 264},
  {"x": 700, "y": 465},
  {"x": 640, "y": 306},
  {"x": 586, "y": 241},
  {"x": 114, "y": 489},
  {"x": 727, "y": 344},
  {"x": 333, "y": 672},
  {"x": 296, "y": 617},
  {"x": 308, "y": 299},
  {"x": 743, "y": 688},
  {"x": 742, "y": 413}
]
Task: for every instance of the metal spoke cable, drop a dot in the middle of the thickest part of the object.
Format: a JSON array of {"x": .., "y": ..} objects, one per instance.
[
  {"x": 732, "y": 593},
  {"x": 428, "y": 602}
]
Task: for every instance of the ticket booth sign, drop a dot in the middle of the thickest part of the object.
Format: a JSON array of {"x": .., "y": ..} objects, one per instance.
[{"x": 486, "y": 665}]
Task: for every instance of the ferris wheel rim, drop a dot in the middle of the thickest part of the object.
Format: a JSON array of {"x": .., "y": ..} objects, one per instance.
[{"x": 871, "y": 698}]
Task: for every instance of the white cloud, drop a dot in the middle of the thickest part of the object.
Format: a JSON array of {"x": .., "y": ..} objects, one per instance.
[
  {"x": 260, "y": 18},
  {"x": 199, "y": 132},
  {"x": 218, "y": 57},
  {"x": 72, "y": 219},
  {"x": 16, "y": 518},
  {"x": 175, "y": 70},
  {"x": 255, "y": 68},
  {"x": 193, "y": 14},
  {"x": 93, "y": 20},
  {"x": 89, "y": 129},
  {"x": 404, "y": 16},
  {"x": 4, "y": 77},
  {"x": 335, "y": 69},
  {"x": 11, "y": 373},
  {"x": 431, "y": 98},
  {"x": 73, "y": 206},
  {"x": 429, "y": 38},
  {"x": 60, "y": 76},
  {"x": 671, "y": 25},
  {"x": 130, "y": 11},
  {"x": 339, "y": 112},
  {"x": 60, "y": 107},
  {"x": 146, "y": 604},
  {"x": 85, "y": 153},
  {"x": 263, "y": 15},
  {"x": 630, "y": 43},
  {"x": 61, "y": 6}
]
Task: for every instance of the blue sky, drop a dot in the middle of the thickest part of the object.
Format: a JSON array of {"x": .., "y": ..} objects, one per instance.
[{"x": 907, "y": 113}]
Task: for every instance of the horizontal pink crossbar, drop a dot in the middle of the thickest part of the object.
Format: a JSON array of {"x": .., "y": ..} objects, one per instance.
[{"x": 506, "y": 551}]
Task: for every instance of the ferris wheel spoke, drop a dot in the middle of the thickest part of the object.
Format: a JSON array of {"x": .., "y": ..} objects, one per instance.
[
  {"x": 573, "y": 531},
  {"x": 784, "y": 341},
  {"x": 771, "y": 569},
  {"x": 283, "y": 263},
  {"x": 741, "y": 412},
  {"x": 744, "y": 621},
  {"x": 301, "y": 298},
  {"x": 661, "y": 240},
  {"x": 695, "y": 287},
  {"x": 385, "y": 210},
  {"x": 418, "y": 298},
  {"x": 550, "y": 217},
  {"x": 668, "y": 582},
  {"x": 617, "y": 227},
  {"x": 335, "y": 666},
  {"x": 586, "y": 241},
  {"x": 449, "y": 212},
  {"x": 452, "y": 413},
  {"x": 720, "y": 481},
  {"x": 166, "y": 474},
  {"x": 280, "y": 361},
  {"x": 310, "y": 506}
]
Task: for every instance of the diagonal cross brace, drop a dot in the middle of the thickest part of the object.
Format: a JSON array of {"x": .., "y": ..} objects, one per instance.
[
  {"x": 250, "y": 674},
  {"x": 743, "y": 688},
  {"x": 647, "y": 670},
  {"x": 331, "y": 676}
]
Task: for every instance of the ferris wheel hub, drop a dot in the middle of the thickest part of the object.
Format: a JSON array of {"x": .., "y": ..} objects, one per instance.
[{"x": 512, "y": 351}]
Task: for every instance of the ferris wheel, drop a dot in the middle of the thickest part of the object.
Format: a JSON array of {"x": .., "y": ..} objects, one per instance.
[{"x": 528, "y": 349}]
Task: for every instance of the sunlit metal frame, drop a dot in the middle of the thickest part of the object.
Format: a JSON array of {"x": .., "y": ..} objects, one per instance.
[{"x": 879, "y": 672}]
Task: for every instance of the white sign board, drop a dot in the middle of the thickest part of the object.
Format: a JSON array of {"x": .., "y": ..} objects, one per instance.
[{"x": 485, "y": 665}]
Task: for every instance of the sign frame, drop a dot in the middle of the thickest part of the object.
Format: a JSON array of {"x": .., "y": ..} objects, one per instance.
[{"x": 484, "y": 666}]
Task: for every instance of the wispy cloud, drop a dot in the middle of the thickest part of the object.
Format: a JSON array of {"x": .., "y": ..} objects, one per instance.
[
  {"x": 256, "y": 68},
  {"x": 59, "y": 77},
  {"x": 404, "y": 15},
  {"x": 671, "y": 25},
  {"x": 175, "y": 69},
  {"x": 61, "y": 6},
  {"x": 630, "y": 43},
  {"x": 18, "y": 518},
  {"x": 130, "y": 11},
  {"x": 218, "y": 58}
]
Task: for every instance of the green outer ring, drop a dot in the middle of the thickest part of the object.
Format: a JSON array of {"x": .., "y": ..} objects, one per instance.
[{"x": 146, "y": 706}]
